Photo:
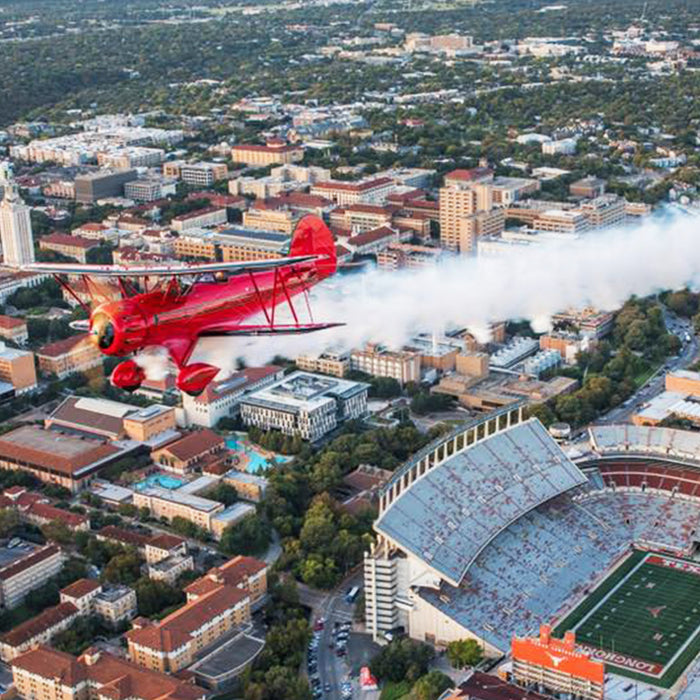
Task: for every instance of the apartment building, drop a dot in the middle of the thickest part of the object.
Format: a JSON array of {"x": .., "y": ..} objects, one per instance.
[
  {"x": 378, "y": 361},
  {"x": 570, "y": 221},
  {"x": 64, "y": 357},
  {"x": 369, "y": 191},
  {"x": 605, "y": 211},
  {"x": 114, "y": 603},
  {"x": 200, "y": 218},
  {"x": 71, "y": 246},
  {"x": 202, "y": 174},
  {"x": 47, "y": 674},
  {"x": 245, "y": 573},
  {"x": 507, "y": 190},
  {"x": 171, "y": 503},
  {"x": 241, "y": 244},
  {"x": 221, "y": 399},
  {"x": 362, "y": 217},
  {"x": 39, "y": 629},
  {"x": 250, "y": 487},
  {"x": 18, "y": 369},
  {"x": 335, "y": 364},
  {"x": 197, "y": 244},
  {"x": 260, "y": 217},
  {"x": 31, "y": 570},
  {"x": 172, "y": 644},
  {"x": 143, "y": 190},
  {"x": 13, "y": 329},
  {"x": 304, "y": 404},
  {"x": 274, "y": 153}
]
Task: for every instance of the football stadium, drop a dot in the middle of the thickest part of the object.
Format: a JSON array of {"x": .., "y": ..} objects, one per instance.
[{"x": 493, "y": 530}]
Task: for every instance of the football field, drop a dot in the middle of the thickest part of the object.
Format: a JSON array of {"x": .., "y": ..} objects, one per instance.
[{"x": 644, "y": 619}]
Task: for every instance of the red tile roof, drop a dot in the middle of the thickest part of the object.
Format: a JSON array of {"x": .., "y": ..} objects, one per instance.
[
  {"x": 123, "y": 536},
  {"x": 38, "y": 624},
  {"x": 353, "y": 186},
  {"x": 62, "y": 347},
  {"x": 465, "y": 175},
  {"x": 376, "y": 234},
  {"x": 44, "y": 511},
  {"x": 8, "y": 322},
  {"x": 81, "y": 588},
  {"x": 110, "y": 675},
  {"x": 178, "y": 628},
  {"x": 65, "y": 239},
  {"x": 193, "y": 445},
  {"x": 282, "y": 148},
  {"x": 165, "y": 541}
]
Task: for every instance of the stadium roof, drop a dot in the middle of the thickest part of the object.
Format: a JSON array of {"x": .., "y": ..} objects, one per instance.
[{"x": 446, "y": 517}]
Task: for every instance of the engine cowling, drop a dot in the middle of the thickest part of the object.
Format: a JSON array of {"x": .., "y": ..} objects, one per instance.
[{"x": 118, "y": 328}]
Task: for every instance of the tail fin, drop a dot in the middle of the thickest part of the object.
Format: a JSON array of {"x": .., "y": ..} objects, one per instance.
[{"x": 312, "y": 237}]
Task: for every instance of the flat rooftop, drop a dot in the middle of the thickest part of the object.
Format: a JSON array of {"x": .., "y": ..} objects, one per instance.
[{"x": 11, "y": 554}]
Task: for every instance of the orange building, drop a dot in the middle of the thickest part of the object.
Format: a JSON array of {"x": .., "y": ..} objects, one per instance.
[
  {"x": 683, "y": 382},
  {"x": 241, "y": 572},
  {"x": 263, "y": 218},
  {"x": 47, "y": 674},
  {"x": 14, "y": 329},
  {"x": 467, "y": 209},
  {"x": 276, "y": 152},
  {"x": 71, "y": 246},
  {"x": 17, "y": 368},
  {"x": 173, "y": 643},
  {"x": 64, "y": 357},
  {"x": 556, "y": 666}
]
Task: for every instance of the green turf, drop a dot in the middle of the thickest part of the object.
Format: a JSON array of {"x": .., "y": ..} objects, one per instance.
[{"x": 624, "y": 623}]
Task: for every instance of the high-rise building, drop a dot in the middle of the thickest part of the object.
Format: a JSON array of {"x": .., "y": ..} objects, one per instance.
[
  {"x": 467, "y": 209},
  {"x": 15, "y": 228}
]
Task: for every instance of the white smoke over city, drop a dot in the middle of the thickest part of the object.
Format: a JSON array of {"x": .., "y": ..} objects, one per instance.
[{"x": 530, "y": 282}]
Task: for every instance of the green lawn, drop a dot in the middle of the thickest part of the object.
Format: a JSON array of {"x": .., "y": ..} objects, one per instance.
[{"x": 652, "y": 615}]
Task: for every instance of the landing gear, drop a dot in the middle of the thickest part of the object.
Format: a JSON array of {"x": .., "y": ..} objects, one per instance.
[
  {"x": 193, "y": 379},
  {"x": 128, "y": 376}
]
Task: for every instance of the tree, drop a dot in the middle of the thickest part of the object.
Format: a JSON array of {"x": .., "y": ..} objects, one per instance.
[
  {"x": 9, "y": 520},
  {"x": 155, "y": 596},
  {"x": 123, "y": 568},
  {"x": 57, "y": 531},
  {"x": 402, "y": 659},
  {"x": 431, "y": 686},
  {"x": 250, "y": 536},
  {"x": 464, "y": 652}
]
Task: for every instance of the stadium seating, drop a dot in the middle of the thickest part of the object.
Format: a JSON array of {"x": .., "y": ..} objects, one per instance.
[
  {"x": 548, "y": 559},
  {"x": 649, "y": 475},
  {"x": 479, "y": 492},
  {"x": 617, "y": 439}
]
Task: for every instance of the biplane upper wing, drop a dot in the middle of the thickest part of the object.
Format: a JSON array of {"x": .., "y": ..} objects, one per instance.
[{"x": 173, "y": 270}]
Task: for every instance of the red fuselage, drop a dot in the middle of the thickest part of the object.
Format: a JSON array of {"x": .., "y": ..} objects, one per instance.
[{"x": 175, "y": 317}]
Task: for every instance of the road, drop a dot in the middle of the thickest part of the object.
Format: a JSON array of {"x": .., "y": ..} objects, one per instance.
[
  {"x": 333, "y": 608},
  {"x": 655, "y": 384}
]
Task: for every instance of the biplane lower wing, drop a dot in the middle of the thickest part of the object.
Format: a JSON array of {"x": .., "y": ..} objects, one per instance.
[{"x": 280, "y": 329}]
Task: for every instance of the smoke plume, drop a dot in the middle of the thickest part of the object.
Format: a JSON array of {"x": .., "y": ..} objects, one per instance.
[{"x": 601, "y": 269}]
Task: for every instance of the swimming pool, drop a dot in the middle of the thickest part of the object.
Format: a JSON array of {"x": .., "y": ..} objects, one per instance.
[
  {"x": 163, "y": 480},
  {"x": 256, "y": 461}
]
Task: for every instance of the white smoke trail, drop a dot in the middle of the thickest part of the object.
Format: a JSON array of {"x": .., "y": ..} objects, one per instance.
[{"x": 601, "y": 269}]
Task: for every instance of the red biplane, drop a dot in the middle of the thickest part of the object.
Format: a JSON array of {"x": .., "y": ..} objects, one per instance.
[{"x": 174, "y": 305}]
